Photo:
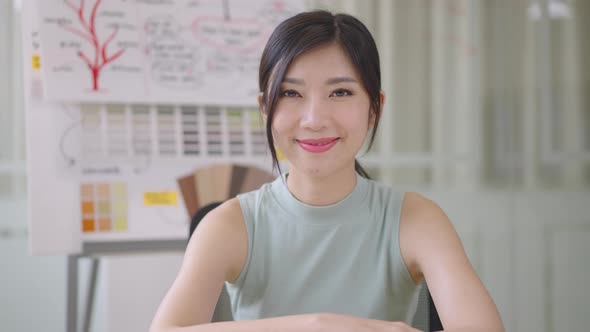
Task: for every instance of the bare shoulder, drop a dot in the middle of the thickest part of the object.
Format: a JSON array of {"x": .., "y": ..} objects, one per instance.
[
  {"x": 223, "y": 221},
  {"x": 424, "y": 226},
  {"x": 228, "y": 214},
  {"x": 222, "y": 235},
  {"x": 417, "y": 208},
  {"x": 424, "y": 217}
]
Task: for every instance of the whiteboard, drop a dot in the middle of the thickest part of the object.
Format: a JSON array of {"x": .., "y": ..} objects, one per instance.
[
  {"x": 156, "y": 51},
  {"x": 103, "y": 167},
  {"x": 103, "y": 173}
]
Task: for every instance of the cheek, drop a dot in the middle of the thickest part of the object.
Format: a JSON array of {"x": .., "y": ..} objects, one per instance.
[
  {"x": 281, "y": 131},
  {"x": 356, "y": 120},
  {"x": 283, "y": 121},
  {"x": 278, "y": 128}
]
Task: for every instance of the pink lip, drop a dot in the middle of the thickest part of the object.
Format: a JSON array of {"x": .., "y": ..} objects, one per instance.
[{"x": 318, "y": 145}]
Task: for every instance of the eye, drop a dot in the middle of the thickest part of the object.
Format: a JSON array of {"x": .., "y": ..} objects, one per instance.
[
  {"x": 341, "y": 93},
  {"x": 289, "y": 93}
]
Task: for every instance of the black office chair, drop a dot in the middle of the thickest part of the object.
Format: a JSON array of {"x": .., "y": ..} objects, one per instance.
[{"x": 426, "y": 317}]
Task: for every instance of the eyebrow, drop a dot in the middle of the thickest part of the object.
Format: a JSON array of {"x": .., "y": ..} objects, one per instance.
[
  {"x": 344, "y": 79},
  {"x": 330, "y": 81}
]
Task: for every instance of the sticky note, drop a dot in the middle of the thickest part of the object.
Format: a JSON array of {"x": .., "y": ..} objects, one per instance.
[
  {"x": 36, "y": 62},
  {"x": 88, "y": 225},
  {"x": 87, "y": 208},
  {"x": 120, "y": 224},
  {"x": 104, "y": 224},
  {"x": 104, "y": 207},
  {"x": 119, "y": 191},
  {"x": 104, "y": 190},
  {"x": 119, "y": 208},
  {"x": 153, "y": 198}
]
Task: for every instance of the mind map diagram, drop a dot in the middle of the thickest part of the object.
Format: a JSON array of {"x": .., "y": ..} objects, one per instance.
[{"x": 197, "y": 51}]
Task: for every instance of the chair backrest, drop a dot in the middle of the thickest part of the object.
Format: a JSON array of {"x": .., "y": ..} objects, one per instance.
[{"x": 426, "y": 317}]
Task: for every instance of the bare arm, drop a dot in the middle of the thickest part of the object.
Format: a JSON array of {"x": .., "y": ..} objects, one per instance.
[
  {"x": 432, "y": 250},
  {"x": 216, "y": 252},
  {"x": 323, "y": 322}
]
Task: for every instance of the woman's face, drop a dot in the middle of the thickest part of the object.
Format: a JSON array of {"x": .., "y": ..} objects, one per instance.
[{"x": 322, "y": 116}]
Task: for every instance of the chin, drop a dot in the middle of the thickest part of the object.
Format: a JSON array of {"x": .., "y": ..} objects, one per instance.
[
  {"x": 316, "y": 172},
  {"x": 320, "y": 167},
  {"x": 321, "y": 171}
]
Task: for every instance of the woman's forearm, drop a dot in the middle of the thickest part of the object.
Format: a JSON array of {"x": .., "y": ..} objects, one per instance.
[
  {"x": 294, "y": 323},
  {"x": 319, "y": 322}
]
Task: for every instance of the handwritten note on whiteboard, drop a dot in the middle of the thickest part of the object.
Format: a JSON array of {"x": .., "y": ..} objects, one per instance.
[{"x": 156, "y": 51}]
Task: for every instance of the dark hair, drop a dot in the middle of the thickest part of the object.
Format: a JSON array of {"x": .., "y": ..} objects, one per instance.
[{"x": 309, "y": 30}]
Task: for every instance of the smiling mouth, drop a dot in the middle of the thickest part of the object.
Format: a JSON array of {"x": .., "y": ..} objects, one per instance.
[{"x": 318, "y": 145}]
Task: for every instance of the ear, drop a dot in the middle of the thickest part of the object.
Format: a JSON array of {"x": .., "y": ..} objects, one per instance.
[
  {"x": 372, "y": 116},
  {"x": 261, "y": 107}
]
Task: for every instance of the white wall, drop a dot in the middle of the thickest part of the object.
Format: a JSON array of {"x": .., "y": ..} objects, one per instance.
[{"x": 32, "y": 289}]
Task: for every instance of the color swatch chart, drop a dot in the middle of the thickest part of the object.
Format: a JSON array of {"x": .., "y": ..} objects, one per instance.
[
  {"x": 104, "y": 207},
  {"x": 126, "y": 132}
]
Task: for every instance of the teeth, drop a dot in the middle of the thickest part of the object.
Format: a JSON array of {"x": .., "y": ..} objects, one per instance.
[{"x": 317, "y": 144}]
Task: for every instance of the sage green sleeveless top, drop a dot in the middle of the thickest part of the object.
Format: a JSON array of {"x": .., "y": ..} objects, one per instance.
[{"x": 342, "y": 258}]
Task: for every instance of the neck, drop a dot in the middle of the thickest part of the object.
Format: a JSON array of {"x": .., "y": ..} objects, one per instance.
[{"x": 321, "y": 190}]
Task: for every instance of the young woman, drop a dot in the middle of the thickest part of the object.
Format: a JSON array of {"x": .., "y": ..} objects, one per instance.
[{"x": 323, "y": 247}]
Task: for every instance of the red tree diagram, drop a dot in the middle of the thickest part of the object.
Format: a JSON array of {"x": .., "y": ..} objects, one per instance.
[{"x": 88, "y": 33}]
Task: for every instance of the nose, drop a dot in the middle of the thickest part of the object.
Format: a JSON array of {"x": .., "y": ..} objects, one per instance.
[{"x": 315, "y": 115}]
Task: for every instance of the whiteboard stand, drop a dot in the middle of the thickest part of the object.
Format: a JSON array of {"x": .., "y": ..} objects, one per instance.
[
  {"x": 72, "y": 294},
  {"x": 95, "y": 251}
]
